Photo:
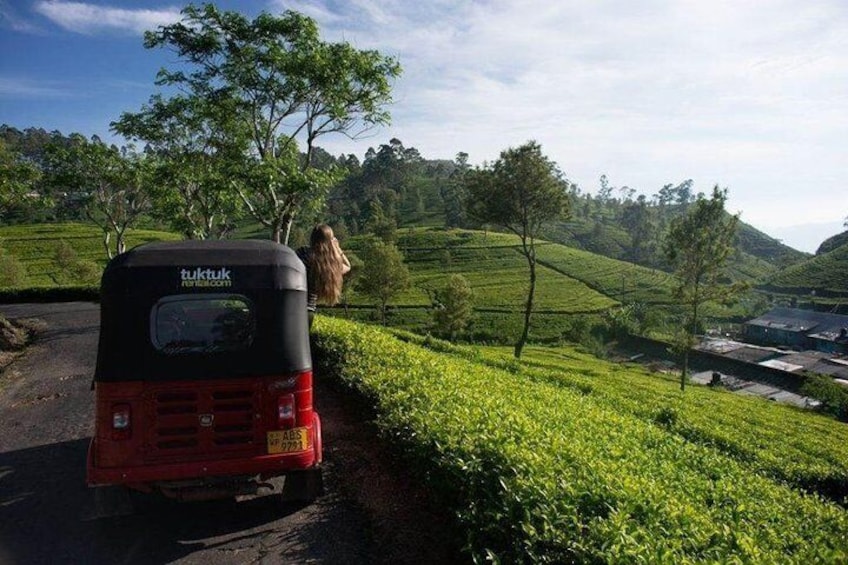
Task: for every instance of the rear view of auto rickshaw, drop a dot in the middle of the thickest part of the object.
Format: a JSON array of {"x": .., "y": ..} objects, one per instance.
[{"x": 203, "y": 382}]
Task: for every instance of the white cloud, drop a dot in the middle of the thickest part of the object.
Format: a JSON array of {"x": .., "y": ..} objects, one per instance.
[
  {"x": 752, "y": 96},
  {"x": 17, "y": 87},
  {"x": 90, "y": 19},
  {"x": 10, "y": 19}
]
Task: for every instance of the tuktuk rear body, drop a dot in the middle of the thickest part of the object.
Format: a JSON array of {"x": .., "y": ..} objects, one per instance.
[{"x": 203, "y": 382}]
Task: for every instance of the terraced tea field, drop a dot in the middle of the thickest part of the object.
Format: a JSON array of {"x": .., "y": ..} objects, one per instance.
[{"x": 35, "y": 247}]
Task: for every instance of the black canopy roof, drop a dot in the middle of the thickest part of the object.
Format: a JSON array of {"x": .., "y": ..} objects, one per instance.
[
  {"x": 268, "y": 274},
  {"x": 252, "y": 264}
]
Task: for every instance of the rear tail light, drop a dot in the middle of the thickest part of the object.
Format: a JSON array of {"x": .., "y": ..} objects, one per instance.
[
  {"x": 121, "y": 421},
  {"x": 285, "y": 411}
]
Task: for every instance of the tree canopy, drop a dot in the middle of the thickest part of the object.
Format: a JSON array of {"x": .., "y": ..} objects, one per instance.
[
  {"x": 263, "y": 85},
  {"x": 697, "y": 247},
  {"x": 522, "y": 191}
]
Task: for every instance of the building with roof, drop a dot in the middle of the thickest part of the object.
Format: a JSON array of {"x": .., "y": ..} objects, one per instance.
[{"x": 800, "y": 329}]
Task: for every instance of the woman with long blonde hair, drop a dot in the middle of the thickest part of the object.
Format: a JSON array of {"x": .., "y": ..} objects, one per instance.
[{"x": 326, "y": 265}]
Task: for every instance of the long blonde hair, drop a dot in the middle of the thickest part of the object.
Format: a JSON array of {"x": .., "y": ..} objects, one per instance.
[{"x": 326, "y": 264}]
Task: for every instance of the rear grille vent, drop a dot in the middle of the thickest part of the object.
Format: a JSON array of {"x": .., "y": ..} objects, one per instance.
[{"x": 206, "y": 423}]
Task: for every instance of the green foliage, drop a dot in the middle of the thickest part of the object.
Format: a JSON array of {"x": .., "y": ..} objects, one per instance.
[
  {"x": 18, "y": 178},
  {"x": 12, "y": 271},
  {"x": 622, "y": 281},
  {"x": 35, "y": 247},
  {"x": 494, "y": 267},
  {"x": 539, "y": 472},
  {"x": 833, "y": 242},
  {"x": 381, "y": 225},
  {"x": 71, "y": 270},
  {"x": 521, "y": 192},
  {"x": 697, "y": 246},
  {"x": 383, "y": 274},
  {"x": 265, "y": 83},
  {"x": 112, "y": 185},
  {"x": 188, "y": 143},
  {"x": 454, "y": 306},
  {"x": 756, "y": 244},
  {"x": 824, "y": 274},
  {"x": 834, "y": 397}
]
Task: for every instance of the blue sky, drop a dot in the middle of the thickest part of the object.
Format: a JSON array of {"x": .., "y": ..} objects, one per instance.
[{"x": 752, "y": 96}]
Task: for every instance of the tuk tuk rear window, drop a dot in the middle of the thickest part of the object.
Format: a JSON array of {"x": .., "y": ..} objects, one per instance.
[{"x": 208, "y": 323}]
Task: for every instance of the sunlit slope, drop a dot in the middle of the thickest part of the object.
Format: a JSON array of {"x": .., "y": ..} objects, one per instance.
[
  {"x": 36, "y": 246},
  {"x": 538, "y": 469},
  {"x": 494, "y": 266},
  {"x": 625, "y": 282}
]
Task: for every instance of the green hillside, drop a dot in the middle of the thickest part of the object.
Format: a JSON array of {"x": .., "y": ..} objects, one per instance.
[
  {"x": 493, "y": 266},
  {"x": 825, "y": 274},
  {"x": 620, "y": 280},
  {"x": 765, "y": 248},
  {"x": 758, "y": 257},
  {"x": 36, "y": 246},
  {"x": 833, "y": 242},
  {"x": 576, "y": 460}
]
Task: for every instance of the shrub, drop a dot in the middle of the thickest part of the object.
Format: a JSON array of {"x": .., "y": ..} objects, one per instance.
[
  {"x": 12, "y": 271},
  {"x": 454, "y": 307},
  {"x": 834, "y": 398},
  {"x": 70, "y": 269},
  {"x": 542, "y": 473}
]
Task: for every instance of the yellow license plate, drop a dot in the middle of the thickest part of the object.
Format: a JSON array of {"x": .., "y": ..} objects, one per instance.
[{"x": 287, "y": 441}]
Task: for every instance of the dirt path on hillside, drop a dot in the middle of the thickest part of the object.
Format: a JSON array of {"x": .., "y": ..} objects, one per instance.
[{"x": 372, "y": 513}]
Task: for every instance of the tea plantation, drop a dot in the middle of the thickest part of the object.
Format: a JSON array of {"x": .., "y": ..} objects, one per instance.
[
  {"x": 36, "y": 247},
  {"x": 572, "y": 461}
]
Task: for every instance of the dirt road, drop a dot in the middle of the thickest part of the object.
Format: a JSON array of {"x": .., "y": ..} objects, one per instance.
[{"x": 370, "y": 514}]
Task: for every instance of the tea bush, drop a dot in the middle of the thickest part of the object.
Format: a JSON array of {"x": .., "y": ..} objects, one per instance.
[{"x": 539, "y": 472}]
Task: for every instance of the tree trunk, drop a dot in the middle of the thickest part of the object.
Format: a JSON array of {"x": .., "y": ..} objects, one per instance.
[
  {"x": 107, "y": 237},
  {"x": 525, "y": 333},
  {"x": 690, "y": 341},
  {"x": 383, "y": 308},
  {"x": 288, "y": 223},
  {"x": 120, "y": 242}
]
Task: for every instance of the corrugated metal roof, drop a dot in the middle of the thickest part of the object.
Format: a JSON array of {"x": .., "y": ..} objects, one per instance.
[
  {"x": 777, "y": 364},
  {"x": 798, "y": 320}
]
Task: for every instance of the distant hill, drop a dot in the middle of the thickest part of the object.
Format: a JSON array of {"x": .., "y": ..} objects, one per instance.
[
  {"x": 758, "y": 257},
  {"x": 762, "y": 246},
  {"x": 832, "y": 243},
  {"x": 825, "y": 275}
]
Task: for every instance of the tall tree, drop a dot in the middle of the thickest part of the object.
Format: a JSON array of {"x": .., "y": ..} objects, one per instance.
[
  {"x": 383, "y": 275},
  {"x": 522, "y": 191},
  {"x": 697, "y": 246},
  {"x": 18, "y": 179},
  {"x": 453, "y": 195},
  {"x": 281, "y": 83},
  {"x": 113, "y": 185},
  {"x": 191, "y": 141},
  {"x": 636, "y": 218}
]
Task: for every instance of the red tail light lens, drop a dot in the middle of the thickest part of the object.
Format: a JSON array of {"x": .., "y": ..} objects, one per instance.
[
  {"x": 121, "y": 421},
  {"x": 285, "y": 411}
]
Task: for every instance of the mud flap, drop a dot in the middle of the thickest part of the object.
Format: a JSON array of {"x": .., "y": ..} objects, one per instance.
[
  {"x": 304, "y": 485},
  {"x": 108, "y": 502}
]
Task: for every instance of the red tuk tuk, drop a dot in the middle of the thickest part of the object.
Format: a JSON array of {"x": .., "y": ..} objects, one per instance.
[{"x": 203, "y": 382}]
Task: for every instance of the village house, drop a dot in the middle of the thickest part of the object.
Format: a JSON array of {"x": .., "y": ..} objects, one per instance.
[{"x": 799, "y": 329}]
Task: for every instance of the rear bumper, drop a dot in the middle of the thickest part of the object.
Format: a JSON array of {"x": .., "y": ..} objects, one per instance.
[{"x": 264, "y": 465}]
